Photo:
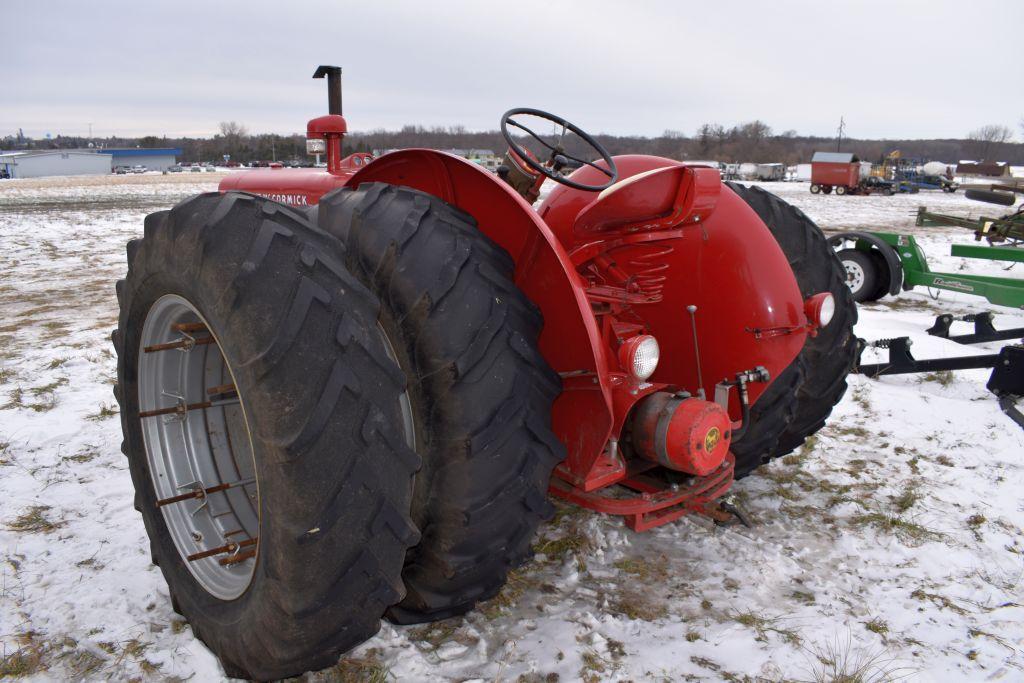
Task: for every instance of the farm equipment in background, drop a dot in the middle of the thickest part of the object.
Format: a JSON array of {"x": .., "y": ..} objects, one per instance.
[
  {"x": 920, "y": 174},
  {"x": 835, "y": 170},
  {"x": 842, "y": 172},
  {"x": 348, "y": 392},
  {"x": 880, "y": 263},
  {"x": 921, "y": 181},
  {"x": 984, "y": 329},
  {"x": 1008, "y": 228},
  {"x": 913, "y": 175},
  {"x": 1006, "y": 380}
]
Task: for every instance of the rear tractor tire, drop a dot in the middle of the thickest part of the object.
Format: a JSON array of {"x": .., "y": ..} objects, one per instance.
[
  {"x": 275, "y": 483},
  {"x": 481, "y": 392},
  {"x": 826, "y": 189},
  {"x": 841, "y": 190},
  {"x": 815, "y": 188},
  {"x": 801, "y": 398}
]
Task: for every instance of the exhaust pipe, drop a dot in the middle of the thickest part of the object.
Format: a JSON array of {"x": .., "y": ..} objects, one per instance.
[
  {"x": 328, "y": 131},
  {"x": 333, "y": 74}
]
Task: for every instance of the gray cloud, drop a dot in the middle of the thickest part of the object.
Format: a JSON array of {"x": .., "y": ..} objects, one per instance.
[{"x": 893, "y": 69}]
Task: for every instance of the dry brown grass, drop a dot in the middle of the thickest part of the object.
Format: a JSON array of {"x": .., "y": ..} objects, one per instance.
[
  {"x": 28, "y": 659},
  {"x": 843, "y": 662},
  {"x": 34, "y": 520}
]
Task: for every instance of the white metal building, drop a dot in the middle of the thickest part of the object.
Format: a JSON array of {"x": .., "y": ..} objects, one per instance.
[
  {"x": 153, "y": 159},
  {"x": 37, "y": 164}
]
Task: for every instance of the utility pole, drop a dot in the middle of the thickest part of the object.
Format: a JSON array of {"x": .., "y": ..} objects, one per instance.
[
  {"x": 90, "y": 130},
  {"x": 839, "y": 140},
  {"x": 273, "y": 150}
]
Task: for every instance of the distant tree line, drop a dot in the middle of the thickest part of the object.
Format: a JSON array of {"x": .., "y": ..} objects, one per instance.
[{"x": 754, "y": 141}]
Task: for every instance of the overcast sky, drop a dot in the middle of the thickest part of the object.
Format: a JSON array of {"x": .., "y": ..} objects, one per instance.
[{"x": 890, "y": 68}]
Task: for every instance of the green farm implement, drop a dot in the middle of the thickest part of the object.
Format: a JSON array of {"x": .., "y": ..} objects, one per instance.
[
  {"x": 1008, "y": 228},
  {"x": 881, "y": 263}
]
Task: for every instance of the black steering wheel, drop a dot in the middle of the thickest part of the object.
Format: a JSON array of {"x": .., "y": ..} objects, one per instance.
[{"x": 558, "y": 158}]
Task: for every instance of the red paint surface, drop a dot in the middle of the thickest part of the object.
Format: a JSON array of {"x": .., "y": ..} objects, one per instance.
[
  {"x": 605, "y": 268},
  {"x": 834, "y": 173}
]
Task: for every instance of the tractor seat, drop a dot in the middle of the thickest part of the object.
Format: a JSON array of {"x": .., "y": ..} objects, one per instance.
[{"x": 653, "y": 200}]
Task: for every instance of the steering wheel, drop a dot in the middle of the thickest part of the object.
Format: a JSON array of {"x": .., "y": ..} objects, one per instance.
[{"x": 558, "y": 158}]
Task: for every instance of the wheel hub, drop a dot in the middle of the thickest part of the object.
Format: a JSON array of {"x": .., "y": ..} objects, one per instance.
[{"x": 854, "y": 275}]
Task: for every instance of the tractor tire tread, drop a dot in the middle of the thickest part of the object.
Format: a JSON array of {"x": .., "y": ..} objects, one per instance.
[
  {"x": 256, "y": 268},
  {"x": 820, "y": 370},
  {"x": 489, "y": 455}
]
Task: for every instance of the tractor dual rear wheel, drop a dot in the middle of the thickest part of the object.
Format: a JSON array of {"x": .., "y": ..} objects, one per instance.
[
  {"x": 269, "y": 447},
  {"x": 800, "y": 399},
  {"x": 481, "y": 391}
]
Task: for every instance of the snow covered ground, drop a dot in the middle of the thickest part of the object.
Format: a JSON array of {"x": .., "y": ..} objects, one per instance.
[{"x": 892, "y": 543}]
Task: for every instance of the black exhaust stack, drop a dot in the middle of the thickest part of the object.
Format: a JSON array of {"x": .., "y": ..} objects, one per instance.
[{"x": 333, "y": 74}]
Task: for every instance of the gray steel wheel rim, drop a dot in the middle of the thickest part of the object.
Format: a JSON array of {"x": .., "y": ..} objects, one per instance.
[
  {"x": 198, "y": 450},
  {"x": 854, "y": 275},
  {"x": 208, "y": 448}
]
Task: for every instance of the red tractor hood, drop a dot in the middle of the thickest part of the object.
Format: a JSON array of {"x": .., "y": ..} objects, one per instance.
[{"x": 295, "y": 186}]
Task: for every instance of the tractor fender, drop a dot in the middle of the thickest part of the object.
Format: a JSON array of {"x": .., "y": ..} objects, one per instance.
[
  {"x": 892, "y": 259},
  {"x": 570, "y": 340}
]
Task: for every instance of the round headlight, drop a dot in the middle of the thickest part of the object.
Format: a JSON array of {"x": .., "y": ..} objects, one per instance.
[
  {"x": 820, "y": 309},
  {"x": 828, "y": 309},
  {"x": 639, "y": 356}
]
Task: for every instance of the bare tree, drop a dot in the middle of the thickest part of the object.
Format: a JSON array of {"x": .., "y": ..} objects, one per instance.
[
  {"x": 233, "y": 133},
  {"x": 232, "y": 130},
  {"x": 710, "y": 135},
  {"x": 754, "y": 131},
  {"x": 987, "y": 137}
]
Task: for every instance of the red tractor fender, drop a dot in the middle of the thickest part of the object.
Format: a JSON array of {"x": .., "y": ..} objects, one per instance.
[
  {"x": 570, "y": 339},
  {"x": 720, "y": 258}
]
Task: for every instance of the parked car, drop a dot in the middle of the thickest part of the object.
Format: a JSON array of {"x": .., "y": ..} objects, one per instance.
[
  {"x": 937, "y": 182},
  {"x": 873, "y": 184},
  {"x": 174, "y": 169},
  {"x": 121, "y": 170},
  {"x": 196, "y": 169}
]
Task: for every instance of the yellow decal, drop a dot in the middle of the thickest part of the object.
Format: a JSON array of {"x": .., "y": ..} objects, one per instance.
[{"x": 711, "y": 439}]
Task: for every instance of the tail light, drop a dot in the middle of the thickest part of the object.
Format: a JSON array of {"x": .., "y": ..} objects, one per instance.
[
  {"x": 639, "y": 356},
  {"x": 820, "y": 308}
]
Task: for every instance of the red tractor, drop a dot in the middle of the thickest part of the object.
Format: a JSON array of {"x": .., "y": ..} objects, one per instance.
[{"x": 348, "y": 392}]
